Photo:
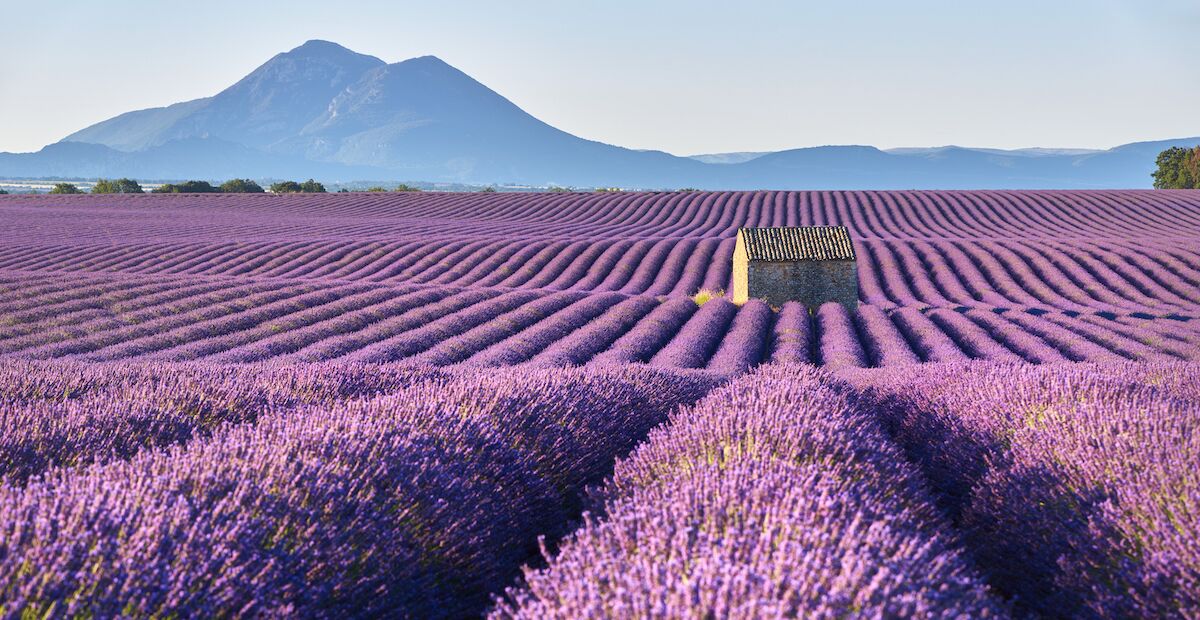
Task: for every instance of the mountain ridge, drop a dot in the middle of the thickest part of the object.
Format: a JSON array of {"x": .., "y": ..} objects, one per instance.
[{"x": 325, "y": 111}]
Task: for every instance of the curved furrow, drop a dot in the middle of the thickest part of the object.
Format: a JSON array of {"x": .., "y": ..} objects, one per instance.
[
  {"x": 996, "y": 275},
  {"x": 109, "y": 310},
  {"x": 719, "y": 275},
  {"x": 649, "y": 267},
  {"x": 232, "y": 325},
  {"x": 526, "y": 343},
  {"x": 561, "y": 262},
  {"x": 691, "y": 278},
  {"x": 668, "y": 275},
  {"x": 1016, "y": 338},
  {"x": 972, "y": 339},
  {"x": 335, "y": 345},
  {"x": 345, "y": 320},
  {"x": 582, "y": 344},
  {"x": 464, "y": 345},
  {"x": 1073, "y": 345},
  {"x": 304, "y": 313},
  {"x": 648, "y": 335},
  {"x": 414, "y": 341},
  {"x": 534, "y": 265},
  {"x": 468, "y": 254},
  {"x": 1133, "y": 293},
  {"x": 928, "y": 340},
  {"x": 231, "y": 301}
]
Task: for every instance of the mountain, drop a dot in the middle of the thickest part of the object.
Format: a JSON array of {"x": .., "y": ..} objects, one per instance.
[
  {"x": 865, "y": 167},
  {"x": 324, "y": 111},
  {"x": 271, "y": 104},
  {"x": 728, "y": 158}
]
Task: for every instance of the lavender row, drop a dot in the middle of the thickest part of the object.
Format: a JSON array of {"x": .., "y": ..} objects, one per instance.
[
  {"x": 791, "y": 336},
  {"x": 745, "y": 342},
  {"x": 342, "y": 322},
  {"x": 497, "y": 328},
  {"x": 584, "y": 343},
  {"x": 71, "y": 414},
  {"x": 775, "y": 496},
  {"x": 650, "y": 334},
  {"x": 1075, "y": 485},
  {"x": 416, "y": 504},
  {"x": 695, "y": 342},
  {"x": 525, "y": 344}
]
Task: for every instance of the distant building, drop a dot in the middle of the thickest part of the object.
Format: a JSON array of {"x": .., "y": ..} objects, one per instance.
[{"x": 808, "y": 264}]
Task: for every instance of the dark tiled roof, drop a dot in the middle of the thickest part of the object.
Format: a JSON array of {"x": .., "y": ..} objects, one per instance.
[{"x": 795, "y": 243}]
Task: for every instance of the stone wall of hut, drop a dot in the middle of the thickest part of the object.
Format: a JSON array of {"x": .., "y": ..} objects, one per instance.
[{"x": 809, "y": 282}]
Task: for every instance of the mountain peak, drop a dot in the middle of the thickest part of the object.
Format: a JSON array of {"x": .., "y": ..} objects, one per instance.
[
  {"x": 325, "y": 51},
  {"x": 319, "y": 48},
  {"x": 426, "y": 63},
  {"x": 320, "y": 44},
  {"x": 428, "y": 59}
]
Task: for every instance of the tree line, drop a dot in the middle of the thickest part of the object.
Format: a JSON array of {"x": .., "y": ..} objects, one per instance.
[{"x": 232, "y": 186}]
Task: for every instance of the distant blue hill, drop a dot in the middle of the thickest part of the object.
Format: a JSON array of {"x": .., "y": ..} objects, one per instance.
[{"x": 323, "y": 111}]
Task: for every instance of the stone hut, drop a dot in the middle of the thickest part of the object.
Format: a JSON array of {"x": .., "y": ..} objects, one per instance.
[{"x": 808, "y": 264}]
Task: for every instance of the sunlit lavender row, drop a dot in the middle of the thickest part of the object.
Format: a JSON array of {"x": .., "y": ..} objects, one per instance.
[
  {"x": 70, "y": 414},
  {"x": 419, "y": 503},
  {"x": 775, "y": 496},
  {"x": 1076, "y": 486}
]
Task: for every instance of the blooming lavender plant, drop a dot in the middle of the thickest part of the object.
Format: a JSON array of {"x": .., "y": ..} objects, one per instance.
[
  {"x": 1075, "y": 484},
  {"x": 417, "y": 503},
  {"x": 775, "y": 496}
]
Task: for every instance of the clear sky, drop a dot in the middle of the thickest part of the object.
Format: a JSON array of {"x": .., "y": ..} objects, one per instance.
[{"x": 684, "y": 76}]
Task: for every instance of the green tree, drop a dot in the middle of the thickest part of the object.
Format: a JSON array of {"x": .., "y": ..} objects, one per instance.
[
  {"x": 3, "y": 191},
  {"x": 119, "y": 186},
  {"x": 1177, "y": 168},
  {"x": 286, "y": 187},
  {"x": 65, "y": 188},
  {"x": 376, "y": 189},
  {"x": 187, "y": 187},
  {"x": 240, "y": 186},
  {"x": 1192, "y": 166},
  {"x": 488, "y": 190},
  {"x": 554, "y": 189},
  {"x": 128, "y": 186},
  {"x": 312, "y": 187},
  {"x": 404, "y": 187}
]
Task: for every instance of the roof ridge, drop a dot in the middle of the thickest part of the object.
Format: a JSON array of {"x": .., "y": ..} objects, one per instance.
[{"x": 796, "y": 243}]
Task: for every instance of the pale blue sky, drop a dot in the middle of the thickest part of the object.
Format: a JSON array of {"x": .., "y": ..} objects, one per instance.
[{"x": 682, "y": 76}]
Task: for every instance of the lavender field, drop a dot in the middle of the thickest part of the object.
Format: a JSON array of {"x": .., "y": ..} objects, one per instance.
[{"x": 545, "y": 405}]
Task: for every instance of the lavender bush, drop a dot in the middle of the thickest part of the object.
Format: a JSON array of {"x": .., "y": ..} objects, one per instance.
[
  {"x": 775, "y": 496},
  {"x": 1075, "y": 484}
]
